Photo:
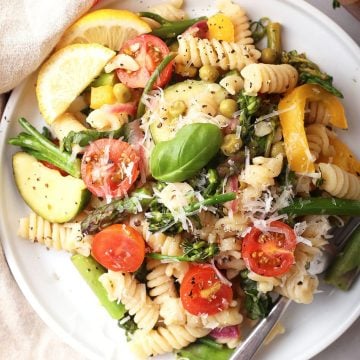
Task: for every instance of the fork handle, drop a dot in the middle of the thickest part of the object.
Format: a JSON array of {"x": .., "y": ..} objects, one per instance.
[{"x": 247, "y": 349}]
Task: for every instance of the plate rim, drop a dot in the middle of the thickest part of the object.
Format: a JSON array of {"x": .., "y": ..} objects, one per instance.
[{"x": 12, "y": 101}]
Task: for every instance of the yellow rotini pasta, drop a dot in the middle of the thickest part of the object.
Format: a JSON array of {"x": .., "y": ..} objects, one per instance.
[
  {"x": 264, "y": 283},
  {"x": 339, "y": 182},
  {"x": 164, "y": 339},
  {"x": 172, "y": 312},
  {"x": 267, "y": 78},
  {"x": 240, "y": 21},
  {"x": 125, "y": 288},
  {"x": 225, "y": 55},
  {"x": 66, "y": 236},
  {"x": 318, "y": 139},
  {"x": 159, "y": 284}
]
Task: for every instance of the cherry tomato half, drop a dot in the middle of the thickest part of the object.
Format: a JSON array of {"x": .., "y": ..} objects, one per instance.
[
  {"x": 148, "y": 51},
  {"x": 202, "y": 292},
  {"x": 270, "y": 253},
  {"x": 109, "y": 167},
  {"x": 119, "y": 247}
]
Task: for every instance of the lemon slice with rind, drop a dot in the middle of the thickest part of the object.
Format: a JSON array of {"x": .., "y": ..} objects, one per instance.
[
  {"x": 66, "y": 74},
  {"x": 108, "y": 27}
]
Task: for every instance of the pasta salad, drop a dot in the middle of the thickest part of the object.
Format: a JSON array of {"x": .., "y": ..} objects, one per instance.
[{"x": 192, "y": 174}]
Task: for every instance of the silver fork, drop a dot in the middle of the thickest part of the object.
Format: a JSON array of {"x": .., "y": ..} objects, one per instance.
[{"x": 247, "y": 349}]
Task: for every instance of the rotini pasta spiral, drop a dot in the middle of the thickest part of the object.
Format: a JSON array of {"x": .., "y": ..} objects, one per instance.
[
  {"x": 264, "y": 283},
  {"x": 266, "y": 78},
  {"x": 170, "y": 10},
  {"x": 317, "y": 112},
  {"x": 318, "y": 138},
  {"x": 66, "y": 236},
  {"x": 164, "y": 339},
  {"x": 172, "y": 311},
  {"x": 339, "y": 182},
  {"x": 125, "y": 288},
  {"x": 240, "y": 21},
  {"x": 232, "y": 83},
  {"x": 226, "y": 55},
  {"x": 160, "y": 285},
  {"x": 297, "y": 284}
]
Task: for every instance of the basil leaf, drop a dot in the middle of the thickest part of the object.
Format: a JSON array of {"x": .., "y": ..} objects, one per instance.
[{"x": 187, "y": 153}]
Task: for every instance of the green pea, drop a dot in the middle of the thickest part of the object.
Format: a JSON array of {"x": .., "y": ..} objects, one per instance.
[
  {"x": 177, "y": 108},
  {"x": 122, "y": 93},
  {"x": 231, "y": 144},
  {"x": 277, "y": 149},
  {"x": 228, "y": 107},
  {"x": 208, "y": 73},
  {"x": 269, "y": 56}
]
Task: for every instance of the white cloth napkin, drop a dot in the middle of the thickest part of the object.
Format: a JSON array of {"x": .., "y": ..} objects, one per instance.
[{"x": 29, "y": 29}]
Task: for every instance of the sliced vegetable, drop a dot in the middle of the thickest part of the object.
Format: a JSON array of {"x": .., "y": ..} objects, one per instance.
[
  {"x": 119, "y": 247},
  {"x": 43, "y": 149},
  {"x": 90, "y": 270},
  {"x": 110, "y": 167},
  {"x": 270, "y": 253},
  {"x": 187, "y": 153},
  {"x": 202, "y": 292},
  {"x": 346, "y": 265},
  {"x": 101, "y": 95},
  {"x": 152, "y": 80},
  {"x": 148, "y": 51},
  {"x": 221, "y": 28},
  {"x": 322, "y": 206},
  {"x": 116, "y": 211},
  {"x": 292, "y": 113}
]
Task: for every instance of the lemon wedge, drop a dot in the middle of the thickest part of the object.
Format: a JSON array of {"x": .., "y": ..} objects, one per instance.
[
  {"x": 66, "y": 74},
  {"x": 108, "y": 27}
]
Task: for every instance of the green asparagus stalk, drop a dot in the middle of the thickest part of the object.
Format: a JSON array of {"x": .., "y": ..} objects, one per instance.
[
  {"x": 116, "y": 211},
  {"x": 150, "y": 84},
  {"x": 90, "y": 270},
  {"x": 322, "y": 206},
  {"x": 161, "y": 221},
  {"x": 346, "y": 265},
  {"x": 205, "y": 349},
  {"x": 169, "y": 29},
  {"x": 37, "y": 145},
  {"x": 197, "y": 251}
]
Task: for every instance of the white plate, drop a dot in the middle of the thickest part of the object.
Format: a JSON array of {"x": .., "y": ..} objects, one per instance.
[{"x": 61, "y": 297}]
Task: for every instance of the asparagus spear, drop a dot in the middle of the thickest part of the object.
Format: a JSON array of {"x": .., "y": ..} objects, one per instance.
[
  {"x": 169, "y": 29},
  {"x": 150, "y": 84},
  {"x": 116, "y": 211},
  {"x": 205, "y": 349},
  {"x": 322, "y": 206},
  {"x": 346, "y": 265},
  {"x": 161, "y": 221},
  {"x": 43, "y": 149},
  {"x": 90, "y": 270},
  {"x": 197, "y": 251}
]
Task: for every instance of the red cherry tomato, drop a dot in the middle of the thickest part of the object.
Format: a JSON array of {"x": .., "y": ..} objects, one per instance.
[
  {"x": 148, "y": 51},
  {"x": 109, "y": 167},
  {"x": 270, "y": 253},
  {"x": 119, "y": 247},
  {"x": 202, "y": 292}
]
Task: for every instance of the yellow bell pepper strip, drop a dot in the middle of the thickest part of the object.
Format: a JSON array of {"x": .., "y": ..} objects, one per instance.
[
  {"x": 221, "y": 28},
  {"x": 343, "y": 157},
  {"x": 292, "y": 113}
]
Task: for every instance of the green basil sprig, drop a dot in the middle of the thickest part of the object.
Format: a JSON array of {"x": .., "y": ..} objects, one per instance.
[{"x": 188, "y": 152}]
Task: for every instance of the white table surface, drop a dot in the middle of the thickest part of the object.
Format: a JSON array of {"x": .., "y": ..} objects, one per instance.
[{"x": 347, "y": 347}]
